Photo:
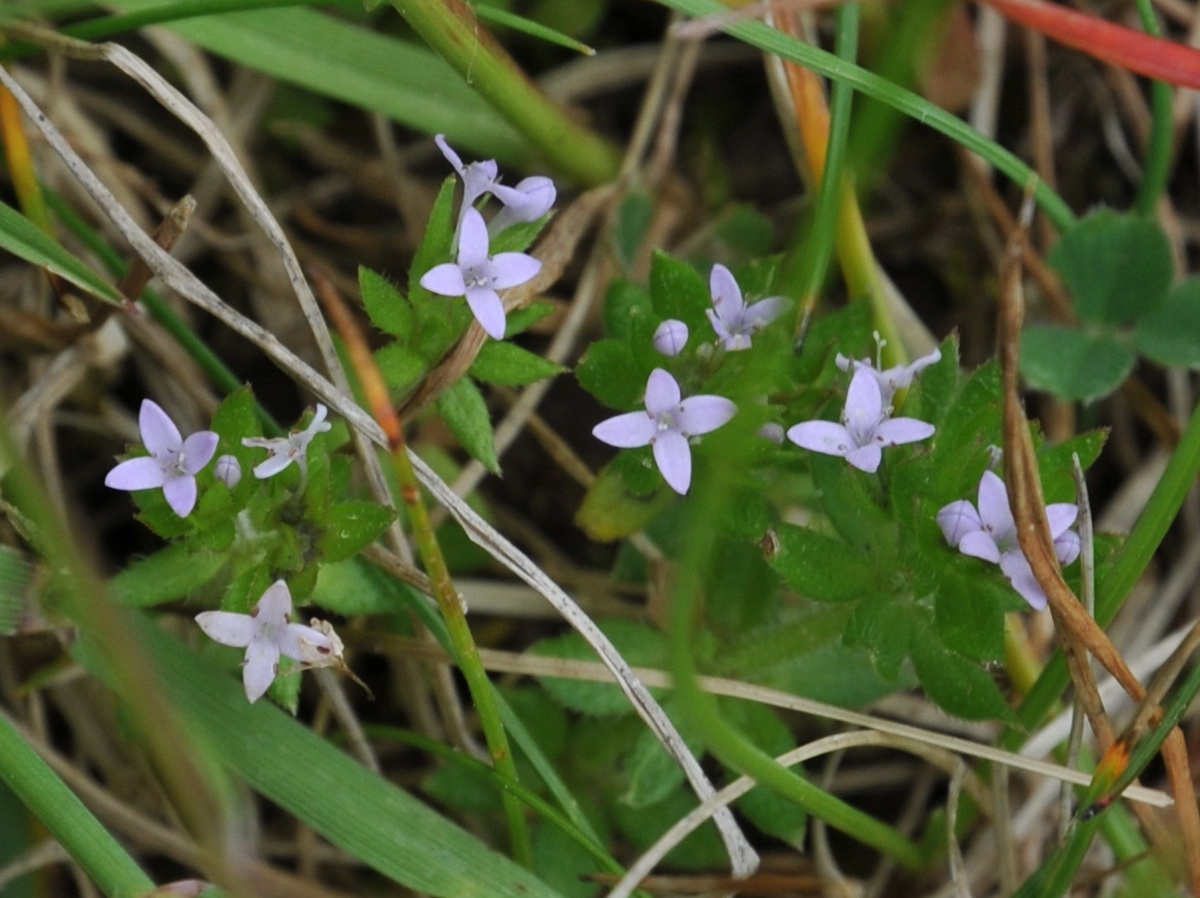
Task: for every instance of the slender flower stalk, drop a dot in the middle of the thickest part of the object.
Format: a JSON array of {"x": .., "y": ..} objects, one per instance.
[{"x": 449, "y": 601}]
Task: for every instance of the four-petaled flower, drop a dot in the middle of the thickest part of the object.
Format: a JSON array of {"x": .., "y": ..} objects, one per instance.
[
  {"x": 173, "y": 462},
  {"x": 266, "y": 633},
  {"x": 866, "y": 427},
  {"x": 731, "y": 318},
  {"x": 991, "y": 534},
  {"x": 529, "y": 200},
  {"x": 292, "y": 448},
  {"x": 898, "y": 377},
  {"x": 478, "y": 276},
  {"x": 667, "y": 424}
]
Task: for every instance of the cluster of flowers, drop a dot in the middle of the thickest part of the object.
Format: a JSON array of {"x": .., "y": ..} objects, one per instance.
[
  {"x": 670, "y": 422},
  {"x": 476, "y": 274},
  {"x": 172, "y": 465}
]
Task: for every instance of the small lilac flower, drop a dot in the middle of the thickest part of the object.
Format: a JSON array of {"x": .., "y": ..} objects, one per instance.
[
  {"x": 898, "y": 377},
  {"x": 731, "y": 318},
  {"x": 228, "y": 470},
  {"x": 292, "y": 448},
  {"x": 529, "y": 200},
  {"x": 667, "y": 424},
  {"x": 266, "y": 633},
  {"x": 991, "y": 534},
  {"x": 173, "y": 462},
  {"x": 478, "y": 276},
  {"x": 866, "y": 427},
  {"x": 670, "y": 337}
]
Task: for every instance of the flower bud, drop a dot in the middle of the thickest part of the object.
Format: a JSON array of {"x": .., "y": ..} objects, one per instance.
[
  {"x": 670, "y": 337},
  {"x": 228, "y": 471}
]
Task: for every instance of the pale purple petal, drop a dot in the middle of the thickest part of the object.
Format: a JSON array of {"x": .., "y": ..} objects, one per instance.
[
  {"x": 957, "y": 520},
  {"x": 1060, "y": 516},
  {"x": 1016, "y": 568},
  {"x": 275, "y": 606},
  {"x": 703, "y": 414},
  {"x": 528, "y": 201},
  {"x": 627, "y": 431},
  {"x": 670, "y": 337},
  {"x": 180, "y": 493},
  {"x": 472, "y": 241},
  {"x": 673, "y": 456},
  {"x": 276, "y": 462},
  {"x": 895, "y": 431},
  {"x": 227, "y": 628},
  {"x": 979, "y": 544},
  {"x": 228, "y": 470},
  {"x": 864, "y": 406},
  {"x": 821, "y": 436},
  {"x": 262, "y": 664},
  {"x": 993, "y": 506},
  {"x": 452, "y": 157},
  {"x": 488, "y": 310},
  {"x": 317, "y": 425},
  {"x": 866, "y": 458},
  {"x": 719, "y": 327},
  {"x": 159, "y": 433},
  {"x": 136, "y": 474},
  {"x": 513, "y": 269},
  {"x": 1067, "y": 547},
  {"x": 662, "y": 392},
  {"x": 726, "y": 294},
  {"x": 198, "y": 450},
  {"x": 764, "y": 311},
  {"x": 445, "y": 280}
]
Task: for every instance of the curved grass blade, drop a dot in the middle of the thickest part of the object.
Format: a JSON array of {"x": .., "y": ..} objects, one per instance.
[{"x": 24, "y": 239}]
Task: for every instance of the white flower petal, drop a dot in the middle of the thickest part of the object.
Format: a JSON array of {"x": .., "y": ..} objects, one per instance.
[
  {"x": 895, "y": 431},
  {"x": 159, "y": 433},
  {"x": 444, "y": 280},
  {"x": 513, "y": 269},
  {"x": 198, "y": 450},
  {"x": 864, "y": 406},
  {"x": 866, "y": 458},
  {"x": 957, "y": 520},
  {"x": 726, "y": 294},
  {"x": 227, "y": 628},
  {"x": 472, "y": 241},
  {"x": 488, "y": 310},
  {"x": 136, "y": 474},
  {"x": 662, "y": 392},
  {"x": 821, "y": 436},
  {"x": 180, "y": 493},
  {"x": 275, "y": 606},
  {"x": 627, "y": 431},
  {"x": 703, "y": 414},
  {"x": 262, "y": 664},
  {"x": 979, "y": 544},
  {"x": 673, "y": 456}
]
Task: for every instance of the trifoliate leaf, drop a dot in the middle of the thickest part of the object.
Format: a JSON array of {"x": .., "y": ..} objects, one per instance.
[
  {"x": 1074, "y": 364},
  {"x": 1171, "y": 333}
]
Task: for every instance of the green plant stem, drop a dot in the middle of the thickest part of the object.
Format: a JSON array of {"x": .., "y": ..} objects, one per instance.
[
  {"x": 463, "y": 645},
  {"x": 1130, "y": 562},
  {"x": 1157, "y": 166},
  {"x": 805, "y": 265},
  {"x": 79, "y": 833},
  {"x": 451, "y": 28},
  {"x": 772, "y": 41},
  {"x": 708, "y": 502}
]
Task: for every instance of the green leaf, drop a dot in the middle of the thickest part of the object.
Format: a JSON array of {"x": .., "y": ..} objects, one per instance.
[
  {"x": 956, "y": 684},
  {"x": 969, "y": 620},
  {"x": 1171, "y": 333},
  {"x": 822, "y": 567},
  {"x": 388, "y": 309},
  {"x": 611, "y": 511},
  {"x": 625, "y": 304},
  {"x": 633, "y": 220},
  {"x": 401, "y": 366},
  {"x": 1117, "y": 266},
  {"x": 609, "y": 372},
  {"x": 169, "y": 574},
  {"x": 678, "y": 291},
  {"x": 434, "y": 248},
  {"x": 1074, "y": 364},
  {"x": 653, "y": 774},
  {"x": 465, "y": 413},
  {"x": 353, "y": 587},
  {"x": 770, "y": 812},
  {"x": 639, "y": 644},
  {"x": 511, "y": 366},
  {"x": 27, "y": 241},
  {"x": 361, "y": 813},
  {"x": 350, "y": 527},
  {"x": 884, "y": 626}
]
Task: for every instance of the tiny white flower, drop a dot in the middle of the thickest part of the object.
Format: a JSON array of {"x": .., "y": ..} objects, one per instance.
[
  {"x": 266, "y": 633},
  {"x": 292, "y": 448}
]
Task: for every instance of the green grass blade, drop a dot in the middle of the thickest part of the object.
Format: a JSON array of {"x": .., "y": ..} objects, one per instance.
[
  {"x": 24, "y": 239},
  {"x": 405, "y": 82},
  {"x": 88, "y": 843},
  {"x": 356, "y": 810},
  {"x": 765, "y": 38}
]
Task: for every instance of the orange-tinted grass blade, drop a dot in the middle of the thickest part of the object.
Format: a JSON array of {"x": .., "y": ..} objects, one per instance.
[
  {"x": 1133, "y": 50},
  {"x": 20, "y": 164}
]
